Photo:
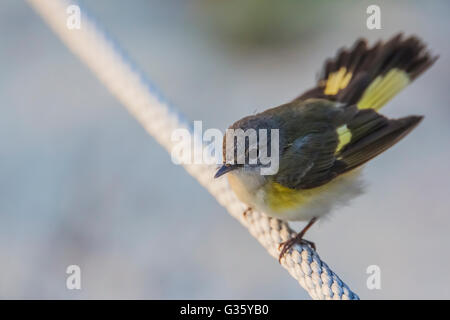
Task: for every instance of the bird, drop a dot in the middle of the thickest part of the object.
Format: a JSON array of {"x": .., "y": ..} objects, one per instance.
[{"x": 328, "y": 133}]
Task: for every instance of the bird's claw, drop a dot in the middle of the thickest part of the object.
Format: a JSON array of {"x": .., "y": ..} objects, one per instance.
[{"x": 287, "y": 245}]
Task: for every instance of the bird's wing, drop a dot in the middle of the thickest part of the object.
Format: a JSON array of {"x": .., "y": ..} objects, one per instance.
[
  {"x": 371, "y": 134},
  {"x": 316, "y": 158},
  {"x": 308, "y": 161}
]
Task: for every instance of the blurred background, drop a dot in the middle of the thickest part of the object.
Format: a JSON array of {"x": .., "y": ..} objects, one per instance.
[{"x": 82, "y": 183}]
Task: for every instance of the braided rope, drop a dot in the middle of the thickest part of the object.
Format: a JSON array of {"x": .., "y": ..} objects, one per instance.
[{"x": 127, "y": 84}]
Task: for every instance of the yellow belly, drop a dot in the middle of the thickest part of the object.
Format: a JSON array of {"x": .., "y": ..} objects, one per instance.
[
  {"x": 284, "y": 203},
  {"x": 280, "y": 198}
]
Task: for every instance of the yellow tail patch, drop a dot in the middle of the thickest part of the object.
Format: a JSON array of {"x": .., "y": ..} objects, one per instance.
[
  {"x": 383, "y": 89},
  {"x": 337, "y": 81}
]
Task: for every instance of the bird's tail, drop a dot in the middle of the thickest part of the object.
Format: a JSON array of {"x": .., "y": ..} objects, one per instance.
[{"x": 370, "y": 77}]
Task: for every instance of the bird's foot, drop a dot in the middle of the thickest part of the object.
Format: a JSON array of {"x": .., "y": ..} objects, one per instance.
[{"x": 287, "y": 245}]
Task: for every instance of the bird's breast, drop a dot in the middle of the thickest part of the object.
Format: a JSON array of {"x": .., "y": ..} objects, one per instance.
[
  {"x": 247, "y": 187},
  {"x": 280, "y": 198},
  {"x": 285, "y": 203}
]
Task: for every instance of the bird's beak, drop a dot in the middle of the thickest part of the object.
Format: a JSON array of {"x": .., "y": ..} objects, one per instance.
[{"x": 225, "y": 169}]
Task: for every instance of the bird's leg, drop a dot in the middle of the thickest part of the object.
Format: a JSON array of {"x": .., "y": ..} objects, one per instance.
[
  {"x": 285, "y": 246},
  {"x": 248, "y": 210}
]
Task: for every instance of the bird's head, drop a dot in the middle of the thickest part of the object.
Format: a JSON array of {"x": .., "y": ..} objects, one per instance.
[{"x": 247, "y": 145}]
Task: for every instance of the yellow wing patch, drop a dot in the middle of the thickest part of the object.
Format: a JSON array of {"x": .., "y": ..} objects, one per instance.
[
  {"x": 383, "y": 89},
  {"x": 337, "y": 81},
  {"x": 344, "y": 135}
]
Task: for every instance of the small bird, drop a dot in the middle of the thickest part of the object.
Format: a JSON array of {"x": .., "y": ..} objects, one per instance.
[{"x": 328, "y": 133}]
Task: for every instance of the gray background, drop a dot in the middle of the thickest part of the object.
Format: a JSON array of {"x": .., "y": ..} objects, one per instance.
[{"x": 82, "y": 183}]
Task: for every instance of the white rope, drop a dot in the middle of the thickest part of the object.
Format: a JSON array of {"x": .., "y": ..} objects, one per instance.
[{"x": 125, "y": 82}]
